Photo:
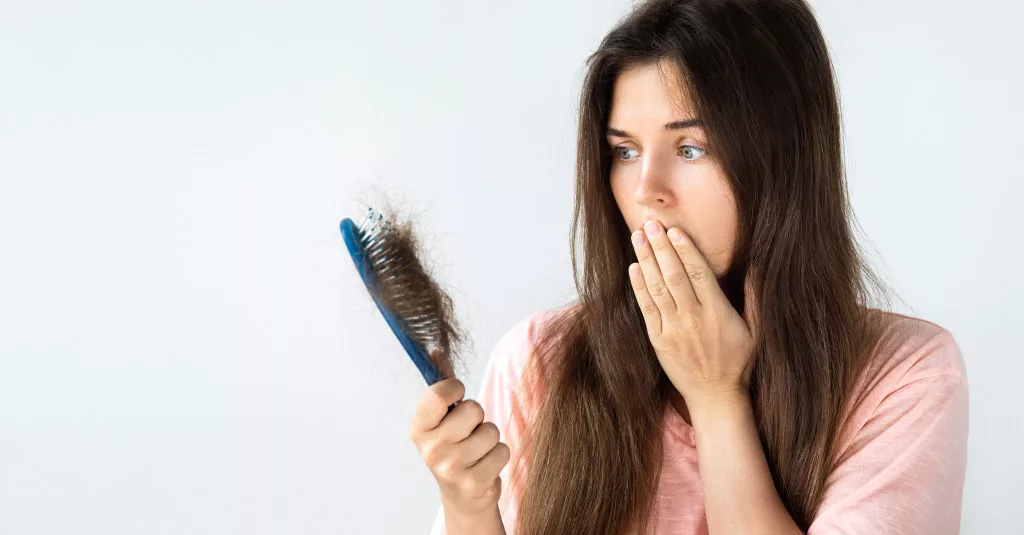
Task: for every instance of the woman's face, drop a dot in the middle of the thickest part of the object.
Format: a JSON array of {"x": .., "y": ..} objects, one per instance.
[{"x": 668, "y": 174}]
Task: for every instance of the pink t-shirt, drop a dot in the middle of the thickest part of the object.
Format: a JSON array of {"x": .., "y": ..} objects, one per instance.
[{"x": 902, "y": 456}]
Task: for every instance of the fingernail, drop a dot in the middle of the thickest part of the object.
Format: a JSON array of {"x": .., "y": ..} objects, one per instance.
[
  {"x": 638, "y": 238},
  {"x": 652, "y": 228},
  {"x": 675, "y": 235}
]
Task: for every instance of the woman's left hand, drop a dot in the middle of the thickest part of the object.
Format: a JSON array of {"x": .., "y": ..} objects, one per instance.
[{"x": 705, "y": 347}]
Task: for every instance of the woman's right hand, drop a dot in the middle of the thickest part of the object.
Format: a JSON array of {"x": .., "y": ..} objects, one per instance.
[{"x": 461, "y": 450}]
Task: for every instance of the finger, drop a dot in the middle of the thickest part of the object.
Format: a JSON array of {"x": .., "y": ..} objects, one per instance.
[
  {"x": 702, "y": 279},
  {"x": 479, "y": 442},
  {"x": 433, "y": 405},
  {"x": 653, "y": 279},
  {"x": 490, "y": 465},
  {"x": 672, "y": 269},
  {"x": 652, "y": 315},
  {"x": 461, "y": 422}
]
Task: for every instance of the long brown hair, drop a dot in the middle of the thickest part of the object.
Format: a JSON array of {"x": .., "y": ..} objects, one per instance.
[{"x": 759, "y": 76}]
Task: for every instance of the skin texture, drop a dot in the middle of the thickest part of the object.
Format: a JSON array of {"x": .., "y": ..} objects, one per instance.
[
  {"x": 672, "y": 176},
  {"x": 655, "y": 175},
  {"x": 464, "y": 455},
  {"x": 704, "y": 345},
  {"x": 670, "y": 180}
]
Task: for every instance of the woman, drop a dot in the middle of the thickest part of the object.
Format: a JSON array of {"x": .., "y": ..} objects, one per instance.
[{"x": 722, "y": 371}]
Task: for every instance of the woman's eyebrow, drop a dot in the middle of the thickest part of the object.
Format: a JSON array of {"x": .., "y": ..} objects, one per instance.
[{"x": 676, "y": 125}]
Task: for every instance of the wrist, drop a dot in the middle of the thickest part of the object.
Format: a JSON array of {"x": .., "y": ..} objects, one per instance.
[
  {"x": 486, "y": 521},
  {"x": 722, "y": 406}
]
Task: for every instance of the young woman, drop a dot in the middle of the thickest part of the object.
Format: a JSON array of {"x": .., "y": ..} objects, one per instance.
[{"x": 722, "y": 371}]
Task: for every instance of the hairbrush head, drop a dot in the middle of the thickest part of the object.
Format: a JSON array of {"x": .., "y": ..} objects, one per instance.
[{"x": 387, "y": 254}]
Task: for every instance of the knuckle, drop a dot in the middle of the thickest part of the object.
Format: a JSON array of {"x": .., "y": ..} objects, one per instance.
[
  {"x": 445, "y": 471},
  {"x": 489, "y": 431},
  {"x": 648, "y": 307},
  {"x": 475, "y": 409},
  {"x": 656, "y": 289},
  {"x": 451, "y": 387},
  {"x": 434, "y": 396},
  {"x": 696, "y": 273},
  {"x": 458, "y": 389},
  {"x": 691, "y": 322},
  {"x": 449, "y": 470},
  {"x": 432, "y": 457},
  {"x": 504, "y": 453},
  {"x": 677, "y": 279}
]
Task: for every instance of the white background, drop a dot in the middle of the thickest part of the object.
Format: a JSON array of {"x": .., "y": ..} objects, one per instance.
[{"x": 185, "y": 346}]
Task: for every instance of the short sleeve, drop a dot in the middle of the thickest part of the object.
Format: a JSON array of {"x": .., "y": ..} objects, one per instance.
[
  {"x": 903, "y": 471},
  {"x": 502, "y": 377}
]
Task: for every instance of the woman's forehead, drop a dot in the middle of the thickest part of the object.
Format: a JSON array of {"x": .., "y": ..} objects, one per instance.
[{"x": 646, "y": 94}]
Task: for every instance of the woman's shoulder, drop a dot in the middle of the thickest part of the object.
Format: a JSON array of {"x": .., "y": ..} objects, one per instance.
[
  {"x": 905, "y": 441},
  {"x": 517, "y": 345},
  {"x": 913, "y": 348},
  {"x": 519, "y": 363},
  {"x": 916, "y": 368}
]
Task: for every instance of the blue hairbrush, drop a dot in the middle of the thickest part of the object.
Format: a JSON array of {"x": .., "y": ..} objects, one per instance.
[{"x": 386, "y": 254}]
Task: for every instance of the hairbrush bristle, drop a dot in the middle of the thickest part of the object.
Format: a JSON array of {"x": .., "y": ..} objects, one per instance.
[{"x": 404, "y": 285}]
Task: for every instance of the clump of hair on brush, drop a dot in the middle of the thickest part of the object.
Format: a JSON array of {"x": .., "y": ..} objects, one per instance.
[{"x": 404, "y": 284}]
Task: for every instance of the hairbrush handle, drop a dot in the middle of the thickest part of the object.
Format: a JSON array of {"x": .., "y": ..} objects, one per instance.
[{"x": 350, "y": 233}]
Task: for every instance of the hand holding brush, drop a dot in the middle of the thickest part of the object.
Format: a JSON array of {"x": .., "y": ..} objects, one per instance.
[{"x": 462, "y": 451}]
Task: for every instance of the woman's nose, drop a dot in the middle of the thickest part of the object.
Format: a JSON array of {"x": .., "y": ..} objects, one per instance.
[{"x": 653, "y": 184}]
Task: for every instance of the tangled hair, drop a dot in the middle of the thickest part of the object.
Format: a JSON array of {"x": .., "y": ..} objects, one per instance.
[
  {"x": 759, "y": 77},
  {"x": 405, "y": 285}
]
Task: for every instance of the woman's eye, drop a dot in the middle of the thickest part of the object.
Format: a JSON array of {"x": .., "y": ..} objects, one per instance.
[
  {"x": 696, "y": 152},
  {"x": 620, "y": 149},
  {"x": 690, "y": 152}
]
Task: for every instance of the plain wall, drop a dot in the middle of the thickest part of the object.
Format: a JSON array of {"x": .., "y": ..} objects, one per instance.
[{"x": 185, "y": 345}]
